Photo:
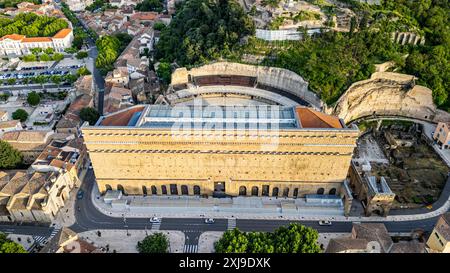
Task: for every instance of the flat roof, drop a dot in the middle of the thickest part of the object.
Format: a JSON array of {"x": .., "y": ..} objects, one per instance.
[{"x": 270, "y": 117}]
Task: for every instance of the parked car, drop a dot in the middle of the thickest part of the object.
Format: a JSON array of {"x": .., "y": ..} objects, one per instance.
[
  {"x": 155, "y": 220},
  {"x": 324, "y": 223},
  {"x": 80, "y": 194},
  {"x": 209, "y": 221}
]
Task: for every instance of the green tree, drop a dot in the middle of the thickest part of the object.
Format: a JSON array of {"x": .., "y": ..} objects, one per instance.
[
  {"x": 204, "y": 30},
  {"x": 83, "y": 71},
  {"x": 164, "y": 72},
  {"x": 232, "y": 241},
  {"x": 57, "y": 57},
  {"x": 82, "y": 55},
  {"x": 29, "y": 58},
  {"x": 155, "y": 243},
  {"x": 296, "y": 238},
  {"x": 159, "y": 26},
  {"x": 70, "y": 50},
  {"x": 10, "y": 157},
  {"x": 12, "y": 247},
  {"x": 11, "y": 81},
  {"x": 90, "y": 115},
  {"x": 45, "y": 57},
  {"x": 36, "y": 50},
  {"x": 33, "y": 98},
  {"x": 49, "y": 50},
  {"x": 56, "y": 79},
  {"x": 150, "y": 5}
]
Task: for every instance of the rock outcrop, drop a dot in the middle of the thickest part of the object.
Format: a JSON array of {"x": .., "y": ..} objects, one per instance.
[{"x": 388, "y": 94}]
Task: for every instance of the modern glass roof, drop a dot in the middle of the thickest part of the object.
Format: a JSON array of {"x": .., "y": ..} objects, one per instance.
[{"x": 216, "y": 117}]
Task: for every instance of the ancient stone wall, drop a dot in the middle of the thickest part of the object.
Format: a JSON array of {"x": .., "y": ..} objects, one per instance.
[
  {"x": 306, "y": 159},
  {"x": 388, "y": 94},
  {"x": 270, "y": 76}
]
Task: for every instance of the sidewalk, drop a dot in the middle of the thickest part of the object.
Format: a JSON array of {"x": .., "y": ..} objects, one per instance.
[
  {"x": 216, "y": 208},
  {"x": 118, "y": 240},
  {"x": 191, "y": 206}
]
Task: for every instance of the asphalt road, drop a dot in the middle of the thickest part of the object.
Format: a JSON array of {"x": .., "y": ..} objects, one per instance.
[
  {"x": 26, "y": 230},
  {"x": 89, "y": 218}
]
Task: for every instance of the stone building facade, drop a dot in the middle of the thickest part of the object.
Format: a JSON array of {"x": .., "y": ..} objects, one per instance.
[
  {"x": 137, "y": 151},
  {"x": 375, "y": 194}
]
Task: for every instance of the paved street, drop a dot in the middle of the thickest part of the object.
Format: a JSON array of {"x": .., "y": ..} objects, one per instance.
[{"x": 90, "y": 218}]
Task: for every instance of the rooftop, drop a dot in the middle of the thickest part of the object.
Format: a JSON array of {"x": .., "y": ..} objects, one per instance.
[{"x": 270, "y": 117}]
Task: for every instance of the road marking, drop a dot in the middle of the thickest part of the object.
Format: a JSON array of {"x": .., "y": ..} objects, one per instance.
[
  {"x": 190, "y": 249},
  {"x": 231, "y": 223},
  {"x": 156, "y": 226},
  {"x": 54, "y": 232},
  {"x": 38, "y": 240}
]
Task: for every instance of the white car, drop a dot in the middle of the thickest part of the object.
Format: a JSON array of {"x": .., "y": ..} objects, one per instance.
[
  {"x": 324, "y": 223},
  {"x": 155, "y": 220},
  {"x": 209, "y": 221}
]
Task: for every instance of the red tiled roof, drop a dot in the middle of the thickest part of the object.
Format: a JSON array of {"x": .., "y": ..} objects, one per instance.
[
  {"x": 16, "y": 37},
  {"x": 62, "y": 33},
  {"x": 310, "y": 118},
  {"x": 121, "y": 118},
  {"x": 36, "y": 39}
]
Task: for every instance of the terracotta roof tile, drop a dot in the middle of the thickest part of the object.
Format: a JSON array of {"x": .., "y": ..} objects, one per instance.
[
  {"x": 310, "y": 118},
  {"x": 121, "y": 118},
  {"x": 62, "y": 33},
  {"x": 16, "y": 37},
  {"x": 36, "y": 39}
]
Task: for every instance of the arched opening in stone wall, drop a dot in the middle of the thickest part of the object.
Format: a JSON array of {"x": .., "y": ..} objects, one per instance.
[
  {"x": 275, "y": 192},
  {"x": 173, "y": 189},
  {"x": 196, "y": 190},
  {"x": 120, "y": 188},
  {"x": 108, "y": 187},
  {"x": 265, "y": 190},
  {"x": 154, "y": 191},
  {"x": 320, "y": 191},
  {"x": 255, "y": 191},
  {"x": 163, "y": 189},
  {"x": 332, "y": 191},
  {"x": 242, "y": 190},
  {"x": 295, "y": 193},
  {"x": 184, "y": 190},
  {"x": 286, "y": 192},
  {"x": 144, "y": 190}
]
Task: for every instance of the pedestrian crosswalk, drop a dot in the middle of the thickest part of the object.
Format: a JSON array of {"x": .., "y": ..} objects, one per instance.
[
  {"x": 190, "y": 249},
  {"x": 38, "y": 240},
  {"x": 156, "y": 226},
  {"x": 231, "y": 223},
  {"x": 54, "y": 232}
]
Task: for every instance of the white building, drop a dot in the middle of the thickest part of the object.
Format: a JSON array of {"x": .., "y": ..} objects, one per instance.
[
  {"x": 21, "y": 45},
  {"x": 78, "y": 5},
  {"x": 9, "y": 126}
]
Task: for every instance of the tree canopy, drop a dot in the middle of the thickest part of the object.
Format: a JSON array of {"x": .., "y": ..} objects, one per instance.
[
  {"x": 9, "y": 246},
  {"x": 31, "y": 25},
  {"x": 10, "y": 157},
  {"x": 109, "y": 48},
  {"x": 90, "y": 115},
  {"x": 203, "y": 30},
  {"x": 294, "y": 238},
  {"x": 332, "y": 61},
  {"x": 13, "y": 3},
  {"x": 33, "y": 98},
  {"x": 150, "y": 5},
  {"x": 20, "y": 114},
  {"x": 155, "y": 243}
]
